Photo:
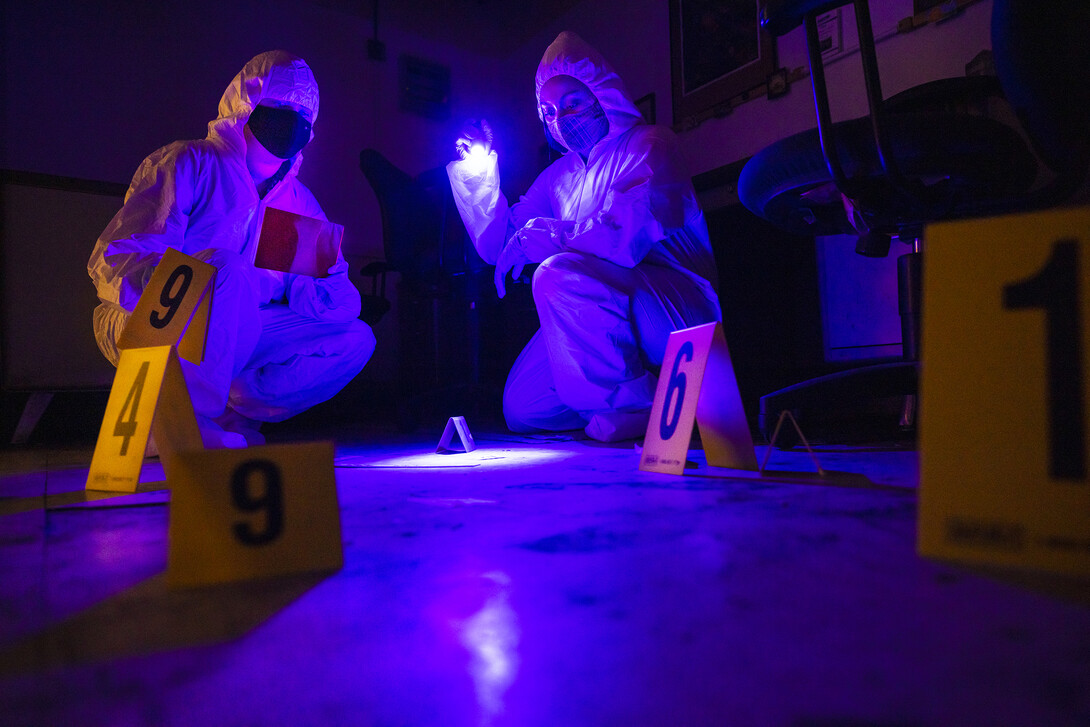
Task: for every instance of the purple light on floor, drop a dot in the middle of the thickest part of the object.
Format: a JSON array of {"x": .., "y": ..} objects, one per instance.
[{"x": 482, "y": 457}]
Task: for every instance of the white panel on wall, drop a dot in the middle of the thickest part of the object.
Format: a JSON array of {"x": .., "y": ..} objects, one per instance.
[{"x": 859, "y": 314}]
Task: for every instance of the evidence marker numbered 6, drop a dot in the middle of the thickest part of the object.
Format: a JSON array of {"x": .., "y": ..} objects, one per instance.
[{"x": 698, "y": 384}]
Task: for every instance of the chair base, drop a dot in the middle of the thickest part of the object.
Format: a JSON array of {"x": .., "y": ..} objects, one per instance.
[{"x": 869, "y": 403}]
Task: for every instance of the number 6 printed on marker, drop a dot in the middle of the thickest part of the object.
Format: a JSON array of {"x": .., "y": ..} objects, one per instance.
[{"x": 676, "y": 383}]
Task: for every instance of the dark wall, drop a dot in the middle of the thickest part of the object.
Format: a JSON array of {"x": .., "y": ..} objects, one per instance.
[{"x": 768, "y": 291}]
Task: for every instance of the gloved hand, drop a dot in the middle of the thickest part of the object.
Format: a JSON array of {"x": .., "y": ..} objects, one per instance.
[
  {"x": 332, "y": 298},
  {"x": 475, "y": 184},
  {"x": 512, "y": 259},
  {"x": 475, "y": 133},
  {"x": 541, "y": 237}
]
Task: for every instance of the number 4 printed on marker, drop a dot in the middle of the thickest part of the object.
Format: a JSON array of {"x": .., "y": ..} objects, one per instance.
[
  {"x": 126, "y": 428},
  {"x": 149, "y": 393}
]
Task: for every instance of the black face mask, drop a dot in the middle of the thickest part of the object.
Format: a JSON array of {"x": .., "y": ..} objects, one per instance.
[{"x": 283, "y": 132}]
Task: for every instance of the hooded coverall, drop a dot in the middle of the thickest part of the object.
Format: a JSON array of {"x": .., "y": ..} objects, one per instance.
[
  {"x": 277, "y": 343},
  {"x": 624, "y": 255}
]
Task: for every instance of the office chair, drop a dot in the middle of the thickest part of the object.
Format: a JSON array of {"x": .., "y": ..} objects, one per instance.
[
  {"x": 374, "y": 305},
  {"x": 438, "y": 292},
  {"x": 927, "y": 154}
]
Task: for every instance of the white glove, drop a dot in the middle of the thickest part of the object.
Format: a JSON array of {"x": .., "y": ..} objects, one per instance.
[
  {"x": 512, "y": 260},
  {"x": 474, "y": 139},
  {"x": 333, "y": 298},
  {"x": 541, "y": 237}
]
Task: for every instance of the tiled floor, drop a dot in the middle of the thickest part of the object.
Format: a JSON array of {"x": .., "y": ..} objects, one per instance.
[{"x": 535, "y": 582}]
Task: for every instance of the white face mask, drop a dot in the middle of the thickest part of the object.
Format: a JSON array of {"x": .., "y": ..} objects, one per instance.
[{"x": 581, "y": 131}]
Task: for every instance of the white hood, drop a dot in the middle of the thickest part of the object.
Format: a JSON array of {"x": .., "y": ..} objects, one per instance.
[
  {"x": 275, "y": 75},
  {"x": 570, "y": 55}
]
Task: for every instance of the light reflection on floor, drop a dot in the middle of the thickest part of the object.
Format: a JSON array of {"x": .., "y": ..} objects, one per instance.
[
  {"x": 488, "y": 457},
  {"x": 491, "y": 636},
  {"x": 539, "y": 583}
]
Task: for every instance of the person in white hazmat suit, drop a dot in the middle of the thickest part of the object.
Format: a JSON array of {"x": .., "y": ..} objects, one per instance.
[
  {"x": 622, "y": 244},
  {"x": 277, "y": 343}
]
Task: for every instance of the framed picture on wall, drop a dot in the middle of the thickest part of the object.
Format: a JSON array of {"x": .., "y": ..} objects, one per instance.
[{"x": 718, "y": 51}]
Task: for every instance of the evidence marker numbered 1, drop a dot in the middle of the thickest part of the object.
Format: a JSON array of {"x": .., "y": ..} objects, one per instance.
[{"x": 1004, "y": 392}]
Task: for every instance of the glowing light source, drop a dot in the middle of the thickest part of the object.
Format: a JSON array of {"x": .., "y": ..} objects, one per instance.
[{"x": 477, "y": 159}]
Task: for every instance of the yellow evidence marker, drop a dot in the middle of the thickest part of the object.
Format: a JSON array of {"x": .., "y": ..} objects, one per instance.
[
  {"x": 148, "y": 395},
  {"x": 1004, "y": 390},
  {"x": 174, "y": 307},
  {"x": 240, "y": 514},
  {"x": 697, "y": 381}
]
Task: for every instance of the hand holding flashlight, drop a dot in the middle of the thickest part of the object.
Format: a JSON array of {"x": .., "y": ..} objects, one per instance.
[{"x": 475, "y": 139}]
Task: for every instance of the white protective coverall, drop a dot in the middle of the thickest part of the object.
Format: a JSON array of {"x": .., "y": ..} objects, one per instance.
[
  {"x": 277, "y": 343},
  {"x": 624, "y": 258}
]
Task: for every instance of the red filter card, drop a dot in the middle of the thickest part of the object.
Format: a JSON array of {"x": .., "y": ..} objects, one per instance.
[{"x": 294, "y": 243}]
